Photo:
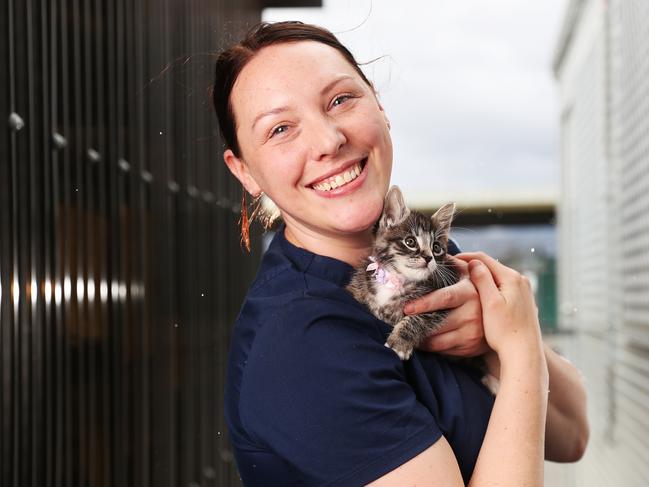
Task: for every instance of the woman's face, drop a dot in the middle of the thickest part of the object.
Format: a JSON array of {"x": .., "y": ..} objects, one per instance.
[{"x": 307, "y": 124}]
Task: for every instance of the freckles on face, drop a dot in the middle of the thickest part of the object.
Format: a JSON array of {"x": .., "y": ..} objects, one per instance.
[{"x": 305, "y": 118}]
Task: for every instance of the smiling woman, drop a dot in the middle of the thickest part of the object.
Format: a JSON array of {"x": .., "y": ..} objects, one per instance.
[{"x": 313, "y": 396}]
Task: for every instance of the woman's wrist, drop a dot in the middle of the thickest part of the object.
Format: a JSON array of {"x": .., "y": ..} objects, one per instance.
[
  {"x": 524, "y": 364},
  {"x": 531, "y": 370}
]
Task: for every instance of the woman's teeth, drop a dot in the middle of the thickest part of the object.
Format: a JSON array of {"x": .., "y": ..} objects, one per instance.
[{"x": 340, "y": 179}]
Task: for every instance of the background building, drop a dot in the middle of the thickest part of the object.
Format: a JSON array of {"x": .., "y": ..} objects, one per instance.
[{"x": 602, "y": 66}]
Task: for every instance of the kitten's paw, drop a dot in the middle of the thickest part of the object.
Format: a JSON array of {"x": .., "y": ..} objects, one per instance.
[{"x": 402, "y": 348}]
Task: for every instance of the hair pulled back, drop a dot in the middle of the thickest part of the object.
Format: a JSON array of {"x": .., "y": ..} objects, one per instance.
[{"x": 231, "y": 62}]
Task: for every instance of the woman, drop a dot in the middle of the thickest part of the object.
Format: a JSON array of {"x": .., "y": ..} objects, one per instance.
[{"x": 313, "y": 396}]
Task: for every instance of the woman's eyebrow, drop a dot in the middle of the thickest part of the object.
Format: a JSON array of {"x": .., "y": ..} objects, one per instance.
[
  {"x": 334, "y": 82},
  {"x": 274, "y": 111}
]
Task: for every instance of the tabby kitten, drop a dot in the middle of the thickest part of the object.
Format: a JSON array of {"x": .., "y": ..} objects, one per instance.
[{"x": 408, "y": 260}]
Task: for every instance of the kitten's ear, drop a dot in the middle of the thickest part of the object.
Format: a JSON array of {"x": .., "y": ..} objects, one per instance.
[
  {"x": 394, "y": 208},
  {"x": 442, "y": 220}
]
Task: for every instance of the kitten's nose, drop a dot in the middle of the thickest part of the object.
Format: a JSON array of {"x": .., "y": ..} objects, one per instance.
[{"x": 427, "y": 258}]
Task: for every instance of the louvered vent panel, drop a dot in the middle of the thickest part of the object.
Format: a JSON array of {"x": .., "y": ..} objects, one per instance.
[{"x": 629, "y": 149}]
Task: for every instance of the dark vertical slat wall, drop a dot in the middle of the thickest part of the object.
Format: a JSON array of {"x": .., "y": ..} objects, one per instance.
[{"x": 120, "y": 268}]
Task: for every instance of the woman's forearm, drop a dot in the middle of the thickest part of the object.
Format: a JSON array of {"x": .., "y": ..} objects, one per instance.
[
  {"x": 567, "y": 428},
  {"x": 513, "y": 448}
]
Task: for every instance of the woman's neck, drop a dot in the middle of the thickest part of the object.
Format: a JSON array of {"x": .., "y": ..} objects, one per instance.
[{"x": 351, "y": 248}]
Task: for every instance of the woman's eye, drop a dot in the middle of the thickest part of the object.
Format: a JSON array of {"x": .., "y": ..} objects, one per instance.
[
  {"x": 339, "y": 100},
  {"x": 410, "y": 242},
  {"x": 279, "y": 130},
  {"x": 437, "y": 249}
]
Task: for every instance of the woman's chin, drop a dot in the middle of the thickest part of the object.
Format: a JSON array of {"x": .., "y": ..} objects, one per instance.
[{"x": 358, "y": 221}]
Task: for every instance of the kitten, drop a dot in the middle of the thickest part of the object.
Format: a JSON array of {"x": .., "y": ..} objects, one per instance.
[{"x": 408, "y": 260}]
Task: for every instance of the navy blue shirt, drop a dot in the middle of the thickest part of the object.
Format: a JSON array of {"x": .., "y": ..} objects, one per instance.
[{"x": 314, "y": 398}]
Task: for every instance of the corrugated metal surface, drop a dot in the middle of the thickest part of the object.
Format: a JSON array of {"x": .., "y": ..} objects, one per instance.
[
  {"x": 629, "y": 143},
  {"x": 120, "y": 271},
  {"x": 604, "y": 228}
]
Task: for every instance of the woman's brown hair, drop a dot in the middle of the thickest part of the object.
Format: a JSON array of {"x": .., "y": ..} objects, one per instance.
[{"x": 231, "y": 62}]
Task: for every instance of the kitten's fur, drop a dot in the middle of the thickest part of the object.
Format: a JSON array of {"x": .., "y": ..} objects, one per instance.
[{"x": 422, "y": 268}]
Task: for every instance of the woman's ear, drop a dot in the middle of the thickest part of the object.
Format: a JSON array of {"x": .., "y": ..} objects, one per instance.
[{"x": 240, "y": 169}]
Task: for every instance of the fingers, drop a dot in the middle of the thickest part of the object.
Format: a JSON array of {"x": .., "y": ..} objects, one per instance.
[
  {"x": 482, "y": 279},
  {"x": 460, "y": 264},
  {"x": 443, "y": 341},
  {"x": 455, "y": 343},
  {"x": 444, "y": 298},
  {"x": 464, "y": 351},
  {"x": 499, "y": 271}
]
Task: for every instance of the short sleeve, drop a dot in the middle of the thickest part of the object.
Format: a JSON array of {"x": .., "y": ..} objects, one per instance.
[{"x": 323, "y": 392}]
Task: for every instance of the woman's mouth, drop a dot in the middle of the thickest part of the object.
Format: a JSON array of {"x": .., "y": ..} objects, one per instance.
[{"x": 341, "y": 179}]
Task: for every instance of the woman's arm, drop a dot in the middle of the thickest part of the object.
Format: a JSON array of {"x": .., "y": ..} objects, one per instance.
[
  {"x": 512, "y": 451},
  {"x": 567, "y": 431},
  {"x": 567, "y": 428}
]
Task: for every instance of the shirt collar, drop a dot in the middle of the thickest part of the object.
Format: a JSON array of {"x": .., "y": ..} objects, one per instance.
[{"x": 327, "y": 268}]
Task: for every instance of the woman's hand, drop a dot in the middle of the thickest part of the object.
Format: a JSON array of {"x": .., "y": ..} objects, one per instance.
[
  {"x": 509, "y": 313},
  {"x": 462, "y": 334}
]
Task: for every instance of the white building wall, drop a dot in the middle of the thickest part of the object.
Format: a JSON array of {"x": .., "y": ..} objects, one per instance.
[{"x": 604, "y": 232}]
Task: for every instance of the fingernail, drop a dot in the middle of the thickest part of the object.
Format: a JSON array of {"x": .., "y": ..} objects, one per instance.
[{"x": 409, "y": 309}]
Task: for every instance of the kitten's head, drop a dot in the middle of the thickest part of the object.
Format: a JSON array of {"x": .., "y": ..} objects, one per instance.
[{"x": 408, "y": 241}]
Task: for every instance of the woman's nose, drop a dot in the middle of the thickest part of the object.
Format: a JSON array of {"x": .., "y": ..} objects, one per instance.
[{"x": 327, "y": 138}]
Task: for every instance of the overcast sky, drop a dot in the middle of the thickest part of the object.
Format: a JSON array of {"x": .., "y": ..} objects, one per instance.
[{"x": 468, "y": 88}]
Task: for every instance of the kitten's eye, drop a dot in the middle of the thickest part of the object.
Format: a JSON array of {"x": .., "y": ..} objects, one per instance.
[
  {"x": 410, "y": 242},
  {"x": 437, "y": 249}
]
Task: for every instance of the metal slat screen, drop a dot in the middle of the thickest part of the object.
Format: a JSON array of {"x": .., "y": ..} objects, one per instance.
[
  {"x": 604, "y": 228},
  {"x": 629, "y": 150},
  {"x": 120, "y": 267}
]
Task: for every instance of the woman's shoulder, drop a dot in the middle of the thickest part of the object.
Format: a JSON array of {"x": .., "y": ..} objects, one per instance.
[
  {"x": 292, "y": 313},
  {"x": 297, "y": 286},
  {"x": 289, "y": 312},
  {"x": 308, "y": 338},
  {"x": 302, "y": 318}
]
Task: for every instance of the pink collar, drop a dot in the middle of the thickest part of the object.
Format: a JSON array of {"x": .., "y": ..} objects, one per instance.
[{"x": 383, "y": 276}]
